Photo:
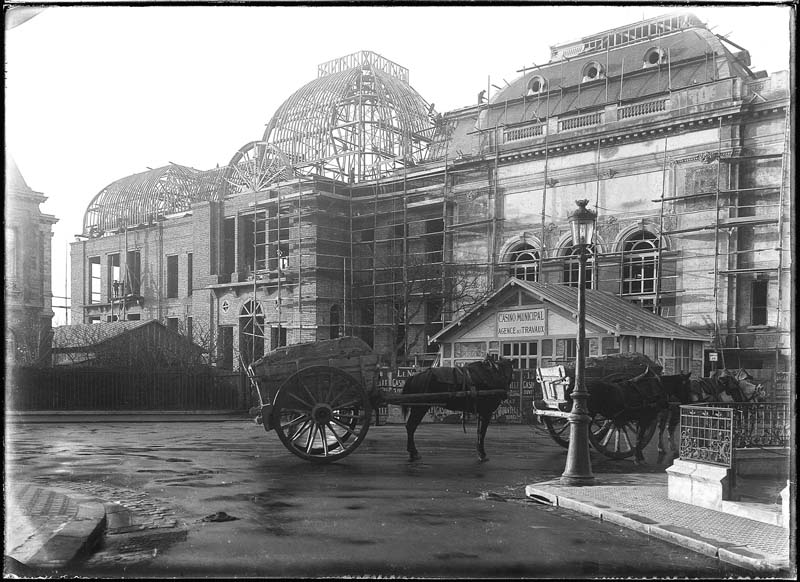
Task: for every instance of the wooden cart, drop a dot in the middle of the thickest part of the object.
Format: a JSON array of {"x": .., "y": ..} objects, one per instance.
[
  {"x": 319, "y": 397},
  {"x": 614, "y": 440}
]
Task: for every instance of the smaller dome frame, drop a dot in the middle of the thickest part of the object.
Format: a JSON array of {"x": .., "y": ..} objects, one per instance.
[{"x": 147, "y": 197}]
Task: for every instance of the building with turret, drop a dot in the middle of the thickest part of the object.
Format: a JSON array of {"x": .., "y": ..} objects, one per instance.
[{"x": 28, "y": 287}]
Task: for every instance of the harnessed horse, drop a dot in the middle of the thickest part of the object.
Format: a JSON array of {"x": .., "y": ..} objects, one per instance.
[
  {"x": 483, "y": 374},
  {"x": 726, "y": 386},
  {"x": 639, "y": 399}
]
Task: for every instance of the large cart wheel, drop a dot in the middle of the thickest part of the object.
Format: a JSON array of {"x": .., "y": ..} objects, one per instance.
[
  {"x": 321, "y": 414},
  {"x": 617, "y": 441},
  {"x": 558, "y": 427}
]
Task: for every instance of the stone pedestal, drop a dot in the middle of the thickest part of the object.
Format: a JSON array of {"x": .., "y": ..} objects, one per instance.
[
  {"x": 698, "y": 484},
  {"x": 786, "y": 507}
]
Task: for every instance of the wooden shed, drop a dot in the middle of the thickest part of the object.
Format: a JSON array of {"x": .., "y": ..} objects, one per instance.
[{"x": 535, "y": 325}]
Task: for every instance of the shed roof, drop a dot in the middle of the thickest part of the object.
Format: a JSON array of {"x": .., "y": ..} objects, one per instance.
[
  {"x": 614, "y": 314},
  {"x": 85, "y": 335}
]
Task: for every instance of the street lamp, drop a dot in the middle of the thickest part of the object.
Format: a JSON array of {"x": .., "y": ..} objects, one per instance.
[{"x": 578, "y": 470}]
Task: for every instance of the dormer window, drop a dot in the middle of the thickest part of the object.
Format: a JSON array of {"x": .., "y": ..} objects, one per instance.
[
  {"x": 592, "y": 72},
  {"x": 536, "y": 85},
  {"x": 653, "y": 57}
]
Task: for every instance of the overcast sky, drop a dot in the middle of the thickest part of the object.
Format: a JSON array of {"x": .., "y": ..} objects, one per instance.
[{"x": 94, "y": 94}]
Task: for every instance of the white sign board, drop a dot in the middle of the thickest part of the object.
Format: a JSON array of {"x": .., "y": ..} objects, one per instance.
[
  {"x": 712, "y": 356},
  {"x": 521, "y": 323}
]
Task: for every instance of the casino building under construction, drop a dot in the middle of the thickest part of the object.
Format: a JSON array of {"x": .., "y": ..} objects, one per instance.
[{"x": 364, "y": 211}]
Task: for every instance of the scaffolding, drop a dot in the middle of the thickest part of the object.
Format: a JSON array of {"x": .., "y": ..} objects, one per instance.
[{"x": 742, "y": 204}]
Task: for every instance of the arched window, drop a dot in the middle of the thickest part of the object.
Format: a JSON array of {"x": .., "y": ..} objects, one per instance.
[
  {"x": 640, "y": 267},
  {"x": 251, "y": 332},
  {"x": 334, "y": 322},
  {"x": 570, "y": 255},
  {"x": 524, "y": 261}
]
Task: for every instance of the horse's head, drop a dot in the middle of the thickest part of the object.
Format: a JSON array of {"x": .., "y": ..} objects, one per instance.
[
  {"x": 751, "y": 392},
  {"x": 679, "y": 387},
  {"x": 506, "y": 369},
  {"x": 698, "y": 391}
]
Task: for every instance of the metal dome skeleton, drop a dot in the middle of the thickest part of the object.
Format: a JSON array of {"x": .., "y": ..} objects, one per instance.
[
  {"x": 144, "y": 197},
  {"x": 359, "y": 120}
]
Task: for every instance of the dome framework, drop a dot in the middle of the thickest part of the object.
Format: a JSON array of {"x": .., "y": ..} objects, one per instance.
[
  {"x": 359, "y": 120},
  {"x": 145, "y": 197}
]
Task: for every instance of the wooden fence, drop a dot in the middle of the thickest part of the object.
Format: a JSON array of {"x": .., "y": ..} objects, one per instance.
[{"x": 30, "y": 389}]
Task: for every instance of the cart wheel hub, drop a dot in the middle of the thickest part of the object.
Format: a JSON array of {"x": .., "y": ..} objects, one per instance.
[{"x": 322, "y": 413}]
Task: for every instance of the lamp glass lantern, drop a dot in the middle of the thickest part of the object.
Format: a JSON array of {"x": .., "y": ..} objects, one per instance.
[{"x": 582, "y": 222}]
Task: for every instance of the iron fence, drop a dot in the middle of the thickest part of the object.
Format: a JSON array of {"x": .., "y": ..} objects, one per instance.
[
  {"x": 97, "y": 389},
  {"x": 710, "y": 433}
]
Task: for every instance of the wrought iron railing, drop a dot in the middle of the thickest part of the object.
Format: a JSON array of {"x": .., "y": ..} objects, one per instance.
[
  {"x": 707, "y": 434},
  {"x": 710, "y": 433}
]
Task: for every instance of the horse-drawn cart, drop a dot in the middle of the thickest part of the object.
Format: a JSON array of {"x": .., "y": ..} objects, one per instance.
[
  {"x": 609, "y": 436},
  {"x": 319, "y": 397}
]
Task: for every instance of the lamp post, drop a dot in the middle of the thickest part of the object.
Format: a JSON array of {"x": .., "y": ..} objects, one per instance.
[{"x": 578, "y": 470}]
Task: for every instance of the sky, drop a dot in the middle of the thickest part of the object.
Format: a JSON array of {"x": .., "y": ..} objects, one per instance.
[{"x": 97, "y": 93}]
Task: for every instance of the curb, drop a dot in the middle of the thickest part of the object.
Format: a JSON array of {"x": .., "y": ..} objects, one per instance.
[
  {"x": 49, "y": 550},
  {"x": 728, "y": 552}
]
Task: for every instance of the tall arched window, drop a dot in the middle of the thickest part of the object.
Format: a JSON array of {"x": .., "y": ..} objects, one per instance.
[
  {"x": 524, "y": 261},
  {"x": 334, "y": 322},
  {"x": 640, "y": 267},
  {"x": 570, "y": 255},
  {"x": 251, "y": 332}
]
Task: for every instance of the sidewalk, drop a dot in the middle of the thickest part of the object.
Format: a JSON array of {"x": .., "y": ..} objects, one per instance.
[
  {"x": 640, "y": 502},
  {"x": 47, "y": 528}
]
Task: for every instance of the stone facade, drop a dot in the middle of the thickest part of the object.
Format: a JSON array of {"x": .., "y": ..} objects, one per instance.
[{"x": 28, "y": 286}]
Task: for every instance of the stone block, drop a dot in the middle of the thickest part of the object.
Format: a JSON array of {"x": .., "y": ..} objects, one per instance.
[
  {"x": 786, "y": 506},
  {"x": 698, "y": 484},
  {"x": 762, "y": 462}
]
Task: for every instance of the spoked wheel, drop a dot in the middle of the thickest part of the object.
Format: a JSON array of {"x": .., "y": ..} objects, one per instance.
[
  {"x": 558, "y": 427},
  {"x": 321, "y": 414},
  {"x": 617, "y": 441}
]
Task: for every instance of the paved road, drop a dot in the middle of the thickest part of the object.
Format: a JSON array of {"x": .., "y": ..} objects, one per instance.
[{"x": 372, "y": 513}]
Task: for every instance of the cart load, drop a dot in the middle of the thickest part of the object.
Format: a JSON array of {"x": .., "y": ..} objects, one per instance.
[{"x": 611, "y": 367}]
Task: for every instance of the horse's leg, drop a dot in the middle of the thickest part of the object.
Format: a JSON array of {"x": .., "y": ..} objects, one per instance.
[
  {"x": 663, "y": 417},
  {"x": 674, "y": 421},
  {"x": 644, "y": 424},
  {"x": 414, "y": 418},
  {"x": 484, "y": 416}
]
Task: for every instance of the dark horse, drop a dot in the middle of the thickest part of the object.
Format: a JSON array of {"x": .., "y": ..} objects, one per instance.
[
  {"x": 679, "y": 391},
  {"x": 486, "y": 374},
  {"x": 639, "y": 400},
  {"x": 726, "y": 386}
]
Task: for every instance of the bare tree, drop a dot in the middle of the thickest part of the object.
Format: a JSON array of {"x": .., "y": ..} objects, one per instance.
[
  {"x": 427, "y": 296},
  {"x": 32, "y": 343},
  {"x": 93, "y": 345}
]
